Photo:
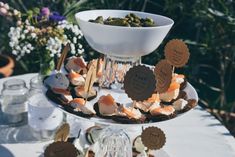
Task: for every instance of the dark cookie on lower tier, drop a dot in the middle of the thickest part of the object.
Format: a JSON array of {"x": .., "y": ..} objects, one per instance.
[
  {"x": 61, "y": 149},
  {"x": 70, "y": 109},
  {"x": 75, "y": 95},
  {"x": 55, "y": 97},
  {"x": 161, "y": 117},
  {"x": 191, "y": 104},
  {"x": 182, "y": 95},
  {"x": 126, "y": 120},
  {"x": 96, "y": 108},
  {"x": 183, "y": 85}
]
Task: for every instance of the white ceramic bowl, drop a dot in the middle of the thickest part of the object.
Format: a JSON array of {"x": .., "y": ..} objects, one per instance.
[{"x": 123, "y": 41}]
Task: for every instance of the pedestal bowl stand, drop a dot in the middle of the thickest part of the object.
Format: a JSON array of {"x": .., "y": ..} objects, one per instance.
[{"x": 123, "y": 48}]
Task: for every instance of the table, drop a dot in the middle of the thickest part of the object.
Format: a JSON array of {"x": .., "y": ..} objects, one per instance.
[{"x": 196, "y": 134}]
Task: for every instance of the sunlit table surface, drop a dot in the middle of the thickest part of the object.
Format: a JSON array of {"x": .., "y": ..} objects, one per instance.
[{"x": 196, "y": 134}]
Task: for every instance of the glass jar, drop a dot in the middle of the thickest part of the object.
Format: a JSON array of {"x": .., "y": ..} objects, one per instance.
[
  {"x": 113, "y": 141},
  {"x": 14, "y": 97},
  {"x": 43, "y": 117}
]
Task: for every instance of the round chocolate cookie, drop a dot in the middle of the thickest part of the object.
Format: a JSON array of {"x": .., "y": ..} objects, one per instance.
[
  {"x": 176, "y": 53},
  {"x": 153, "y": 138},
  {"x": 163, "y": 74},
  {"x": 61, "y": 149}
]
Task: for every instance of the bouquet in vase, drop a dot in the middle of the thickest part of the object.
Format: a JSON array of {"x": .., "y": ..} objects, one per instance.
[{"x": 39, "y": 36}]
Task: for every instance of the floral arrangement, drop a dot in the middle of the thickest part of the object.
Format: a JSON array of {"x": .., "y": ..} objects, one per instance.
[{"x": 41, "y": 34}]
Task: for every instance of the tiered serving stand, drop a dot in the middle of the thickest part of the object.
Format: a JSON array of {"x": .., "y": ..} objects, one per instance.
[{"x": 123, "y": 47}]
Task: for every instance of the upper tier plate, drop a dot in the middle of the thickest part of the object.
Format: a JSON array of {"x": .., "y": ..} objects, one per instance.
[{"x": 122, "y": 41}]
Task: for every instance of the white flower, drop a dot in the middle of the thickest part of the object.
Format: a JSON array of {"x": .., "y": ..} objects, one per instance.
[
  {"x": 15, "y": 12},
  {"x": 18, "y": 29},
  {"x": 19, "y": 23},
  {"x": 80, "y": 46},
  {"x": 72, "y": 35},
  {"x": 22, "y": 36},
  {"x": 29, "y": 27},
  {"x": 11, "y": 44},
  {"x": 58, "y": 55},
  {"x": 14, "y": 32},
  {"x": 72, "y": 46},
  {"x": 28, "y": 51},
  {"x": 33, "y": 35},
  {"x": 80, "y": 51},
  {"x": 18, "y": 47},
  {"x": 74, "y": 40},
  {"x": 27, "y": 22},
  {"x": 1, "y": 4},
  {"x": 54, "y": 46},
  {"x": 24, "y": 48},
  {"x": 14, "y": 52},
  {"x": 26, "y": 31},
  {"x": 12, "y": 28},
  {"x": 6, "y": 6}
]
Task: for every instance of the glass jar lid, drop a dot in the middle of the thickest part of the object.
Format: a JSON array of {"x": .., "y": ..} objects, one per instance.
[{"x": 14, "y": 84}]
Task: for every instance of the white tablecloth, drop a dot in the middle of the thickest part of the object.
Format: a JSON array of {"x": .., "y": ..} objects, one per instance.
[{"x": 196, "y": 134}]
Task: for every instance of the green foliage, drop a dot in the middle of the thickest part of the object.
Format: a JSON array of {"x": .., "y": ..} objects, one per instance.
[{"x": 208, "y": 27}]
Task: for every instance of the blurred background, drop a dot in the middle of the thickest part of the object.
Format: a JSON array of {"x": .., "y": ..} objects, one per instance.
[{"x": 207, "y": 26}]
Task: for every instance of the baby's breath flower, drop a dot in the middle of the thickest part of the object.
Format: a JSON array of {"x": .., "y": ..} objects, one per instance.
[
  {"x": 72, "y": 35},
  {"x": 54, "y": 46},
  {"x": 19, "y": 41}
]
